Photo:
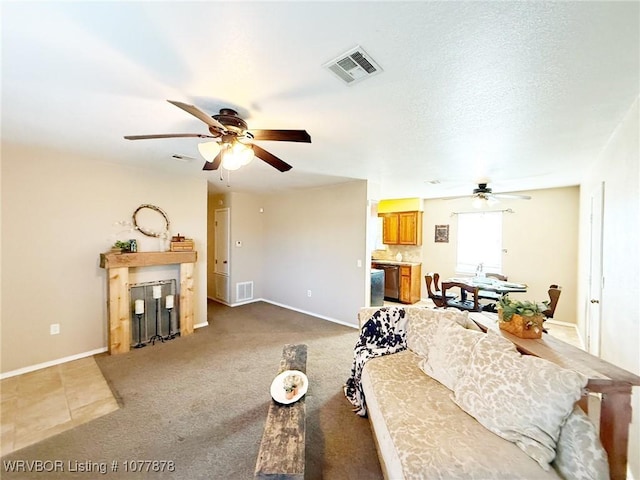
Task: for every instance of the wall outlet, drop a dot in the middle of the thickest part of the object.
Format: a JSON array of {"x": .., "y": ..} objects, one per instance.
[
  {"x": 54, "y": 329},
  {"x": 308, "y": 293}
]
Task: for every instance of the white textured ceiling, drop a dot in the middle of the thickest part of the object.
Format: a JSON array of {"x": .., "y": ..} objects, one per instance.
[{"x": 525, "y": 94}]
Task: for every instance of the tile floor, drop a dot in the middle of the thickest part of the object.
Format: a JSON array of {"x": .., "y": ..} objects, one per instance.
[{"x": 39, "y": 404}]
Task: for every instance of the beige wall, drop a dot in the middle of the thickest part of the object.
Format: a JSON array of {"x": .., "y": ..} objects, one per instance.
[
  {"x": 540, "y": 238},
  {"x": 57, "y": 217},
  {"x": 307, "y": 239},
  {"x": 618, "y": 168},
  {"x": 313, "y": 240}
]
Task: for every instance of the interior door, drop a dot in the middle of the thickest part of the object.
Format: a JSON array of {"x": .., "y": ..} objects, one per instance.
[
  {"x": 596, "y": 280},
  {"x": 221, "y": 254}
]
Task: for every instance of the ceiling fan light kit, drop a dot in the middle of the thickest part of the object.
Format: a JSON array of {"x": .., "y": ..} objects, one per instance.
[
  {"x": 232, "y": 147},
  {"x": 209, "y": 150},
  {"x": 236, "y": 156}
]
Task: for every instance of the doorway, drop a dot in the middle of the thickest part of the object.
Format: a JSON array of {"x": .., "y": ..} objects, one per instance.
[{"x": 221, "y": 267}]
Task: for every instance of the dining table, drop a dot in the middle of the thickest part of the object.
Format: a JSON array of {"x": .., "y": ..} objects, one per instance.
[{"x": 489, "y": 284}]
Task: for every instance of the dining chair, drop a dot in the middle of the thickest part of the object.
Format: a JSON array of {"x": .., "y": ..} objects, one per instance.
[
  {"x": 434, "y": 294},
  {"x": 554, "y": 295},
  {"x": 464, "y": 302}
]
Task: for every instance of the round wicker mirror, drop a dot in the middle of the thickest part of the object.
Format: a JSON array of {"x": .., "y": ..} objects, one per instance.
[{"x": 151, "y": 221}]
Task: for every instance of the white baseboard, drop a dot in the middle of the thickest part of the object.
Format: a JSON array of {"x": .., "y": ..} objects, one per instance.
[
  {"x": 40, "y": 366},
  {"x": 551, "y": 321},
  {"x": 71, "y": 358},
  {"x": 289, "y": 307}
]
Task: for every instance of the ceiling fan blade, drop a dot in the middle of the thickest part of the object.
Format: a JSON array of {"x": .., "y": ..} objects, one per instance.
[
  {"x": 511, "y": 195},
  {"x": 271, "y": 159},
  {"x": 458, "y": 197},
  {"x": 282, "y": 135},
  {"x": 196, "y": 112},
  {"x": 167, "y": 135},
  {"x": 215, "y": 164}
]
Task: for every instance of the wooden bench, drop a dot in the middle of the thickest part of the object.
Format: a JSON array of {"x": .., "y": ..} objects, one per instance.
[
  {"x": 614, "y": 384},
  {"x": 282, "y": 449}
]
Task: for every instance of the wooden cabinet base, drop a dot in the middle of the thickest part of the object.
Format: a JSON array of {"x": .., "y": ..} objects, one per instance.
[{"x": 410, "y": 284}]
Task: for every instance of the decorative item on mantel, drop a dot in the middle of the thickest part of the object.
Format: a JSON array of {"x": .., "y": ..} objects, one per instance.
[
  {"x": 152, "y": 221},
  {"x": 181, "y": 244},
  {"x": 523, "y": 319},
  {"x": 121, "y": 246}
]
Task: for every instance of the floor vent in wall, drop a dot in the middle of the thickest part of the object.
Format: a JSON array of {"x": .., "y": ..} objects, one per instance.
[{"x": 244, "y": 291}]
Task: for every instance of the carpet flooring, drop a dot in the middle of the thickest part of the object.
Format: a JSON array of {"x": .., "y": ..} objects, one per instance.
[{"x": 199, "y": 403}]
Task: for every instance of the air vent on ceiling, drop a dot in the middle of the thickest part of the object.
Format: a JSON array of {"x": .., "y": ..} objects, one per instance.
[{"x": 353, "y": 66}]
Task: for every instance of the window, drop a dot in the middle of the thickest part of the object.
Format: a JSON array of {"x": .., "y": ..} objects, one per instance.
[{"x": 479, "y": 241}]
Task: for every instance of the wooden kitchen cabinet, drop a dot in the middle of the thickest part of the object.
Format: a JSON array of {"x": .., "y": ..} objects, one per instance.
[
  {"x": 390, "y": 228},
  {"x": 402, "y": 228},
  {"x": 410, "y": 286}
]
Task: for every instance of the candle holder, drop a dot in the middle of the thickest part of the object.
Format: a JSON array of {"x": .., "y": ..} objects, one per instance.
[
  {"x": 140, "y": 344},
  {"x": 171, "y": 335},
  {"x": 157, "y": 336}
]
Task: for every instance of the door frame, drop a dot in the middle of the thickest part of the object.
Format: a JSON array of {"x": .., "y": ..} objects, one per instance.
[
  {"x": 222, "y": 234},
  {"x": 595, "y": 283}
]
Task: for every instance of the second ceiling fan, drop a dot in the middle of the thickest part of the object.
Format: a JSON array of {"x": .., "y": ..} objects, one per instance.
[
  {"x": 484, "y": 193},
  {"x": 232, "y": 146}
]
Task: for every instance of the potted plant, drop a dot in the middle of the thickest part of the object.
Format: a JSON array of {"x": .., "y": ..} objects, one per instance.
[
  {"x": 290, "y": 385},
  {"x": 122, "y": 246},
  {"x": 521, "y": 318}
]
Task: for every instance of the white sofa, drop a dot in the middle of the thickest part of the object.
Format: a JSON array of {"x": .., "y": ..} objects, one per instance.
[{"x": 457, "y": 403}]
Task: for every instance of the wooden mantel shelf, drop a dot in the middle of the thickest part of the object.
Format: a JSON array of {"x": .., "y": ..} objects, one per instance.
[
  {"x": 119, "y": 303},
  {"x": 145, "y": 259}
]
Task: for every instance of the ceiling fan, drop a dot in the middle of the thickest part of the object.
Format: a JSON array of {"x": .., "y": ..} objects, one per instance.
[
  {"x": 232, "y": 146},
  {"x": 485, "y": 194}
]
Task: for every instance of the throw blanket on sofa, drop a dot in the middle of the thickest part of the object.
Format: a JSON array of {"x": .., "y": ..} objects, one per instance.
[{"x": 384, "y": 333}]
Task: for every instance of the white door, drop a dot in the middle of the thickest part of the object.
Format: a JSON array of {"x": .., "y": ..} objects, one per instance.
[
  {"x": 596, "y": 281},
  {"x": 222, "y": 238}
]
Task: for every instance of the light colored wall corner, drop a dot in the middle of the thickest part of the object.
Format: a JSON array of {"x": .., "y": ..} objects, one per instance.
[
  {"x": 313, "y": 239},
  {"x": 618, "y": 167},
  {"x": 538, "y": 256},
  {"x": 58, "y": 215}
]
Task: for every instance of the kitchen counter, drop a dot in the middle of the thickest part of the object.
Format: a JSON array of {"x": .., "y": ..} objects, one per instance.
[
  {"x": 402, "y": 280},
  {"x": 393, "y": 262}
]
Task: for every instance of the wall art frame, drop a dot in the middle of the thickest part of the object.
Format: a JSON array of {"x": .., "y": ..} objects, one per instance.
[{"x": 442, "y": 234}]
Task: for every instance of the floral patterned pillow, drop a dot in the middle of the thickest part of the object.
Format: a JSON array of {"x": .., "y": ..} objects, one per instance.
[
  {"x": 522, "y": 398},
  {"x": 423, "y": 322},
  {"x": 449, "y": 352},
  {"x": 579, "y": 453}
]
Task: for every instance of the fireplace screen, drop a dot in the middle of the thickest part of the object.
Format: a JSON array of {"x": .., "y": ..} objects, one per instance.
[{"x": 154, "y": 312}]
